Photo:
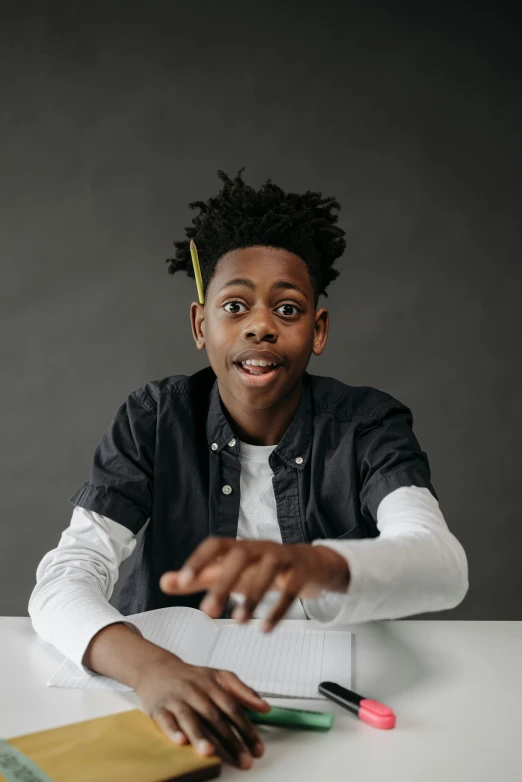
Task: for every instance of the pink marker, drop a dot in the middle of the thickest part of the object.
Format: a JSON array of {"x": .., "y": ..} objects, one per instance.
[{"x": 372, "y": 712}]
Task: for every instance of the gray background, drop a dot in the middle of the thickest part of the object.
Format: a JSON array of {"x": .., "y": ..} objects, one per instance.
[{"x": 115, "y": 116}]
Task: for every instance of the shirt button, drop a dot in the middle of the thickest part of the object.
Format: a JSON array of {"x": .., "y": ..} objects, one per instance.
[
  {"x": 227, "y": 489},
  {"x": 214, "y": 446},
  {"x": 232, "y": 442},
  {"x": 299, "y": 460}
]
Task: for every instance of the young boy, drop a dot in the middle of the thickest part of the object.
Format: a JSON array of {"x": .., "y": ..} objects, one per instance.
[{"x": 274, "y": 492}]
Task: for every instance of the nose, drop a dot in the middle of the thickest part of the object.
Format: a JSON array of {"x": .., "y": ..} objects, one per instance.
[{"x": 260, "y": 326}]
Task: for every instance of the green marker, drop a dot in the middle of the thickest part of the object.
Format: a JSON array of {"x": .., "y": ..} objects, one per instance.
[{"x": 292, "y": 718}]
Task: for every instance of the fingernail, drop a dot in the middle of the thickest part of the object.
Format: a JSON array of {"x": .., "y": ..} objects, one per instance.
[
  {"x": 245, "y": 761},
  {"x": 259, "y": 749},
  {"x": 185, "y": 575},
  {"x": 178, "y": 737},
  {"x": 239, "y": 614},
  {"x": 204, "y": 746}
]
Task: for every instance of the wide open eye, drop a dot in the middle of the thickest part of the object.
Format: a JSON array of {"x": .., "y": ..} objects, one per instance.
[
  {"x": 234, "y": 307},
  {"x": 288, "y": 310}
]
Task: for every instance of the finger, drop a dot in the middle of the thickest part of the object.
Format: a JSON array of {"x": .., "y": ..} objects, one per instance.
[
  {"x": 294, "y": 584},
  {"x": 249, "y": 697},
  {"x": 235, "y": 712},
  {"x": 221, "y": 728},
  {"x": 220, "y": 724},
  {"x": 191, "y": 726},
  {"x": 232, "y": 566},
  {"x": 261, "y": 579},
  {"x": 169, "y": 581},
  {"x": 169, "y": 725},
  {"x": 205, "y": 553}
]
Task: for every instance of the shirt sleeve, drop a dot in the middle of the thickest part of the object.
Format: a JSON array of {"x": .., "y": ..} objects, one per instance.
[
  {"x": 122, "y": 468},
  {"x": 415, "y": 565},
  {"x": 389, "y": 456},
  {"x": 75, "y": 581}
]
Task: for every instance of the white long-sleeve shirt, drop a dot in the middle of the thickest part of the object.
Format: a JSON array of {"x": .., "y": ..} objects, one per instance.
[{"x": 415, "y": 565}]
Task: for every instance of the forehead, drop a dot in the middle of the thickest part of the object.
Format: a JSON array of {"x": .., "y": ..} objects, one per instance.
[{"x": 264, "y": 266}]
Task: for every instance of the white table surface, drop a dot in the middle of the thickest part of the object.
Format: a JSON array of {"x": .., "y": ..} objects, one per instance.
[{"x": 455, "y": 687}]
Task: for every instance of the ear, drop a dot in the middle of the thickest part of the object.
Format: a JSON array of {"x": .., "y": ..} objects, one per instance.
[
  {"x": 197, "y": 322},
  {"x": 322, "y": 322}
]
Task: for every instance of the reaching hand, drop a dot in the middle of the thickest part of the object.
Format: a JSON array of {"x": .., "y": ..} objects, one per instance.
[{"x": 253, "y": 567}]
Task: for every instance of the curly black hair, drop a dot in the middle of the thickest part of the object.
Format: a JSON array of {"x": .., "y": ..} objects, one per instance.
[{"x": 240, "y": 216}]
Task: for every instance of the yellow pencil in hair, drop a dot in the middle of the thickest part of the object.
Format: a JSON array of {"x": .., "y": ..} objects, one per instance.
[{"x": 197, "y": 270}]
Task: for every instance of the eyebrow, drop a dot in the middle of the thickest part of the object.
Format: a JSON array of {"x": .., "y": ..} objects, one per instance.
[{"x": 279, "y": 285}]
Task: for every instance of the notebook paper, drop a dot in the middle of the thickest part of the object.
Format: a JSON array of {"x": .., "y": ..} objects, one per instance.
[{"x": 284, "y": 662}]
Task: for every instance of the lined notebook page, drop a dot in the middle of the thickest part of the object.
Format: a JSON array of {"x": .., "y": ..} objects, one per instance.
[{"x": 285, "y": 662}]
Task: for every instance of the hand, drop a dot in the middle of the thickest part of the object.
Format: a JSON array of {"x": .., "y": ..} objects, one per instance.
[
  {"x": 203, "y": 706},
  {"x": 253, "y": 567}
]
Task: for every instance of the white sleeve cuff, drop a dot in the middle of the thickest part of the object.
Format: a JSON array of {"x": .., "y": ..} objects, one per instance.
[
  {"x": 71, "y": 631},
  {"x": 332, "y": 608},
  {"x": 77, "y": 653}
]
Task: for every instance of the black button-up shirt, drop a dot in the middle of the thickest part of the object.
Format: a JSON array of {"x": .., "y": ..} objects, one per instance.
[{"x": 171, "y": 455}]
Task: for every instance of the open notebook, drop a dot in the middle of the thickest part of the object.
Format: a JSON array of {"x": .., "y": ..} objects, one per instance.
[{"x": 284, "y": 662}]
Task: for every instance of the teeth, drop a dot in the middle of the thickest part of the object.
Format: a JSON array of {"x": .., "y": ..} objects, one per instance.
[{"x": 254, "y": 362}]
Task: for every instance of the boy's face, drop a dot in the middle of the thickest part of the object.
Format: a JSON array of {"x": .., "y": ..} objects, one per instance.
[{"x": 259, "y": 306}]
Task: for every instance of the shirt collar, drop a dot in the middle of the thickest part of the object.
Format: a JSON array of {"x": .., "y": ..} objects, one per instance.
[{"x": 294, "y": 447}]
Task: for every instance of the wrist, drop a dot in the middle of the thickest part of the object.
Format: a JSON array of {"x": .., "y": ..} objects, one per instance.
[
  {"x": 334, "y": 569},
  {"x": 154, "y": 660}
]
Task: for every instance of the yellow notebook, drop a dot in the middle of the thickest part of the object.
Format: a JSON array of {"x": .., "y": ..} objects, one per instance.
[{"x": 123, "y": 747}]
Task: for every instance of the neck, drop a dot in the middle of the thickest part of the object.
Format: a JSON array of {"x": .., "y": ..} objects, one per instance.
[{"x": 265, "y": 426}]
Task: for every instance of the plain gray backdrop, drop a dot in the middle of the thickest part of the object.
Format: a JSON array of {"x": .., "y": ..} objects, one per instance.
[{"x": 114, "y": 116}]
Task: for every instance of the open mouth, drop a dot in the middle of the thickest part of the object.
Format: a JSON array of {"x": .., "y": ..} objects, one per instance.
[{"x": 257, "y": 372}]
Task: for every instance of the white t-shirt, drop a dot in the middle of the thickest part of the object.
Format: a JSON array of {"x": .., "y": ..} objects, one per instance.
[{"x": 257, "y": 518}]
